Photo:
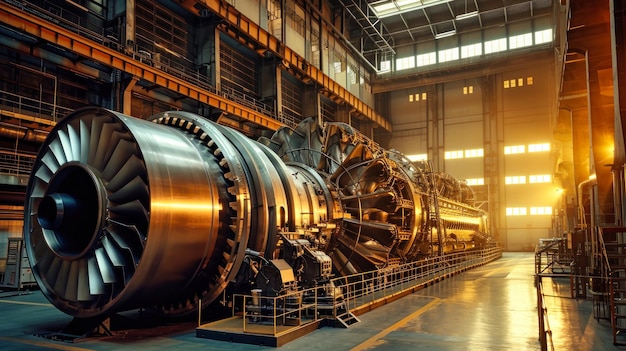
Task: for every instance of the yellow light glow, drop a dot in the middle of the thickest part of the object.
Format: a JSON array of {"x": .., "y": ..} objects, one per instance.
[{"x": 186, "y": 206}]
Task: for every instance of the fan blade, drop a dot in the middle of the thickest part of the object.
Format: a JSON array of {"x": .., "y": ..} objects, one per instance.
[
  {"x": 60, "y": 283},
  {"x": 104, "y": 142},
  {"x": 133, "y": 209},
  {"x": 135, "y": 189},
  {"x": 112, "y": 252},
  {"x": 57, "y": 150},
  {"x": 96, "y": 277},
  {"x": 123, "y": 150},
  {"x": 84, "y": 133},
  {"x": 66, "y": 145},
  {"x": 74, "y": 140},
  {"x": 84, "y": 281},
  {"x": 105, "y": 266},
  {"x": 132, "y": 168},
  {"x": 71, "y": 289},
  {"x": 50, "y": 161},
  {"x": 94, "y": 139}
]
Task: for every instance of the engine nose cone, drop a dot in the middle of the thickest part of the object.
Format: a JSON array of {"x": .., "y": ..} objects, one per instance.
[{"x": 70, "y": 214}]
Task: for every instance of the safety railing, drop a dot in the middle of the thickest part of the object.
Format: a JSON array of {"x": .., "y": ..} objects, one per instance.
[
  {"x": 273, "y": 315},
  {"x": 545, "y": 333},
  {"x": 341, "y": 297},
  {"x": 15, "y": 163},
  {"x": 188, "y": 71},
  {"x": 31, "y": 107},
  {"x": 366, "y": 289}
]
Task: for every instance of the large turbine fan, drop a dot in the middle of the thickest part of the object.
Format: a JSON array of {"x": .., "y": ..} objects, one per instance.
[
  {"x": 125, "y": 213},
  {"x": 81, "y": 250}
]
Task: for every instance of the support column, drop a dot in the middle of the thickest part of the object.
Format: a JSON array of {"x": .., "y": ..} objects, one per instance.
[
  {"x": 128, "y": 96},
  {"x": 129, "y": 35},
  {"x": 493, "y": 171},
  {"x": 435, "y": 131}
]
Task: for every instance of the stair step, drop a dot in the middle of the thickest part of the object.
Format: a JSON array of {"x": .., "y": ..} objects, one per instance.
[{"x": 347, "y": 320}]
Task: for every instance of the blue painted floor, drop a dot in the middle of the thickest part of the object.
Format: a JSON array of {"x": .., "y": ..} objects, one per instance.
[{"x": 492, "y": 307}]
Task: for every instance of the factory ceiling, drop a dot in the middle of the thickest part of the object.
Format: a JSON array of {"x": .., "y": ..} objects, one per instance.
[{"x": 385, "y": 25}]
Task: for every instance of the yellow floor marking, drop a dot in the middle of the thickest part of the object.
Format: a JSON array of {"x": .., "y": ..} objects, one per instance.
[
  {"x": 49, "y": 345},
  {"x": 26, "y": 303},
  {"x": 371, "y": 341}
]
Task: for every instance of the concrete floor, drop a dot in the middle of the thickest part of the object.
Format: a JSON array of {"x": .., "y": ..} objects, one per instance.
[{"x": 489, "y": 308}]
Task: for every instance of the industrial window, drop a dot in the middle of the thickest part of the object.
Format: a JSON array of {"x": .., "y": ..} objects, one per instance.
[
  {"x": 388, "y": 8},
  {"x": 426, "y": 59},
  {"x": 385, "y": 66},
  {"x": 538, "y": 211},
  {"x": 351, "y": 72},
  {"x": 516, "y": 211},
  {"x": 405, "y": 63},
  {"x": 543, "y": 36},
  {"x": 451, "y": 155},
  {"x": 448, "y": 55},
  {"x": 468, "y": 90},
  {"x": 474, "y": 153},
  {"x": 514, "y": 149},
  {"x": 520, "y": 41},
  {"x": 469, "y": 153},
  {"x": 337, "y": 66},
  {"x": 519, "y": 82},
  {"x": 475, "y": 181},
  {"x": 540, "y": 178},
  {"x": 539, "y": 147},
  {"x": 496, "y": 45},
  {"x": 471, "y": 50},
  {"x": 515, "y": 180}
]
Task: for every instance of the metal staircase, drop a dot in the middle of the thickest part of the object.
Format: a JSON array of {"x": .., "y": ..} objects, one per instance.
[{"x": 611, "y": 256}]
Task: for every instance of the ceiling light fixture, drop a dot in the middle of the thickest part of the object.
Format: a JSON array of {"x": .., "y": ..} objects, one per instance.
[
  {"x": 389, "y": 8},
  {"x": 467, "y": 15},
  {"x": 445, "y": 34}
]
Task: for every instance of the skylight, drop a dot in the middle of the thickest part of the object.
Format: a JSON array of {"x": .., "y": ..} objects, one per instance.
[{"x": 386, "y": 8}]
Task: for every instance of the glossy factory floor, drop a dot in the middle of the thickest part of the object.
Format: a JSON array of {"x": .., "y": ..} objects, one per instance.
[{"x": 492, "y": 307}]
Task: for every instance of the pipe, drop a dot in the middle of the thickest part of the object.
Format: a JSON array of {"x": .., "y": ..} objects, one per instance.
[
  {"x": 581, "y": 205},
  {"x": 24, "y": 134}
]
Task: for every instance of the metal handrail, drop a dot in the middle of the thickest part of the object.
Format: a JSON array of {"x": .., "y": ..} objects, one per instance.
[
  {"x": 14, "y": 163},
  {"x": 608, "y": 278},
  {"x": 32, "y": 107},
  {"x": 354, "y": 292},
  {"x": 545, "y": 333}
]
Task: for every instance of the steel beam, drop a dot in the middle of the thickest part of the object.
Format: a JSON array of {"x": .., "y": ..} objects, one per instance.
[
  {"x": 263, "y": 38},
  {"x": 80, "y": 45}
]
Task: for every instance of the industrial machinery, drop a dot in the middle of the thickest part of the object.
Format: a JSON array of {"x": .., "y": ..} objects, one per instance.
[{"x": 124, "y": 213}]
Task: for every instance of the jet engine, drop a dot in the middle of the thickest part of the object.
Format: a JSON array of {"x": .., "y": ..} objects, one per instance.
[{"x": 125, "y": 213}]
